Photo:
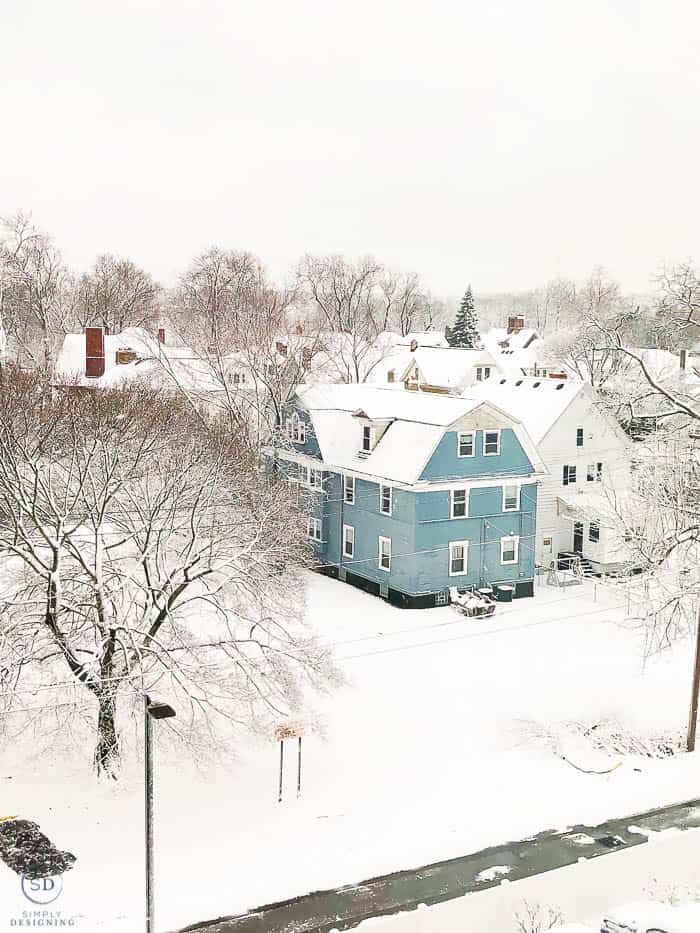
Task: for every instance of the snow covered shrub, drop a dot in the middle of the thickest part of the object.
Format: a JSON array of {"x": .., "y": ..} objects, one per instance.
[{"x": 537, "y": 918}]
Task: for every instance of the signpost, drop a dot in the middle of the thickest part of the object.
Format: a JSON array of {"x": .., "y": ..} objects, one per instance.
[{"x": 284, "y": 731}]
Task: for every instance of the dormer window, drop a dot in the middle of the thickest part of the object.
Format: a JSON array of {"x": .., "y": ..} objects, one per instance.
[
  {"x": 367, "y": 438},
  {"x": 296, "y": 429},
  {"x": 482, "y": 373},
  {"x": 391, "y": 375}
]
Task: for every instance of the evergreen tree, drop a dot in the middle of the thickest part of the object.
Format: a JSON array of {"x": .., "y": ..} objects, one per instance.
[{"x": 465, "y": 333}]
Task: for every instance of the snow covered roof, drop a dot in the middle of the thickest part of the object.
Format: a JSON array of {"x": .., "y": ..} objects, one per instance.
[
  {"x": 518, "y": 350},
  {"x": 516, "y": 340},
  {"x": 538, "y": 403},
  {"x": 448, "y": 367},
  {"x": 379, "y": 402},
  {"x": 416, "y": 423},
  {"x": 160, "y": 364},
  {"x": 428, "y": 338}
]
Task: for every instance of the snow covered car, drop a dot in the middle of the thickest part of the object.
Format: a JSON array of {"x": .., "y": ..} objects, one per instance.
[{"x": 651, "y": 917}]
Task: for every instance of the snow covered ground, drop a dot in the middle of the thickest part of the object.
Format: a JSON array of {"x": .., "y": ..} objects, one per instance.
[
  {"x": 447, "y": 739},
  {"x": 666, "y": 870}
]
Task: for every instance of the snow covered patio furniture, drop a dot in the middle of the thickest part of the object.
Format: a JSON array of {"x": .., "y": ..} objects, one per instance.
[{"x": 471, "y": 604}]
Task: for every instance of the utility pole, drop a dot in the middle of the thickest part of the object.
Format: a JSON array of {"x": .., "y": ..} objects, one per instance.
[
  {"x": 693, "y": 721},
  {"x": 151, "y": 710}
]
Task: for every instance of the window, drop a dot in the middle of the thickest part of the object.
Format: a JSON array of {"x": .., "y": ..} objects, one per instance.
[
  {"x": 594, "y": 532},
  {"x": 459, "y": 551},
  {"x": 236, "y": 378},
  {"x": 391, "y": 375},
  {"x": 442, "y": 598},
  {"x": 590, "y": 473},
  {"x": 385, "y": 500},
  {"x": 599, "y": 472},
  {"x": 349, "y": 489},
  {"x": 492, "y": 443},
  {"x": 509, "y": 549},
  {"x": 315, "y": 478},
  {"x": 348, "y": 541},
  {"x": 296, "y": 429},
  {"x": 367, "y": 438},
  {"x": 482, "y": 373},
  {"x": 459, "y": 503},
  {"x": 303, "y": 475},
  {"x": 568, "y": 475},
  {"x": 313, "y": 528},
  {"x": 385, "y": 554},
  {"x": 511, "y": 498},
  {"x": 465, "y": 444},
  {"x": 579, "y": 437}
]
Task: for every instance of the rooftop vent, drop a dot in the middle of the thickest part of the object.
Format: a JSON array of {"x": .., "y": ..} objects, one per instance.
[
  {"x": 519, "y": 382},
  {"x": 535, "y": 385},
  {"x": 503, "y": 382},
  {"x": 560, "y": 386}
]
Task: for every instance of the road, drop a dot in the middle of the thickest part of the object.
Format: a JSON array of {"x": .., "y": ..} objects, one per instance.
[{"x": 346, "y": 907}]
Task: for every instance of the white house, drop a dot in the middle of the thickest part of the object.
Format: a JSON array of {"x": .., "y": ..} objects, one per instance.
[
  {"x": 520, "y": 348},
  {"x": 441, "y": 370},
  {"x": 587, "y": 455}
]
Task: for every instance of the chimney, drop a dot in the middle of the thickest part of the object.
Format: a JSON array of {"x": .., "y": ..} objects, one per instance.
[
  {"x": 683, "y": 359},
  {"x": 94, "y": 352},
  {"x": 281, "y": 348},
  {"x": 414, "y": 346},
  {"x": 515, "y": 325},
  {"x": 306, "y": 357},
  {"x": 161, "y": 335}
]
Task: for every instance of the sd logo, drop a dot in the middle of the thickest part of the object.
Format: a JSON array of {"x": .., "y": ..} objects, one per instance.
[{"x": 42, "y": 890}]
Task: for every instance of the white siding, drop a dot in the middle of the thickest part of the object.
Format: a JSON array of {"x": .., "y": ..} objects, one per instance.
[{"x": 604, "y": 442}]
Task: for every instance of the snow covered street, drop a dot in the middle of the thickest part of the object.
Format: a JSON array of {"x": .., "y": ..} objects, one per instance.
[{"x": 447, "y": 739}]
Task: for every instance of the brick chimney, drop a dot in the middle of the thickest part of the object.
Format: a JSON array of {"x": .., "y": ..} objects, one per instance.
[
  {"x": 515, "y": 325},
  {"x": 94, "y": 352},
  {"x": 414, "y": 346},
  {"x": 161, "y": 335}
]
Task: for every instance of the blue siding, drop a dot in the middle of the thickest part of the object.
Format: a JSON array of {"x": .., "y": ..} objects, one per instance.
[
  {"x": 310, "y": 447},
  {"x": 446, "y": 465}
]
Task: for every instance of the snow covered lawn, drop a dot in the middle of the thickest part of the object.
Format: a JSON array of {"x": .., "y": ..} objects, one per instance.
[{"x": 429, "y": 752}]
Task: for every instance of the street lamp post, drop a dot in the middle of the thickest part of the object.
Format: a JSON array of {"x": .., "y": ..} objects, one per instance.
[{"x": 151, "y": 710}]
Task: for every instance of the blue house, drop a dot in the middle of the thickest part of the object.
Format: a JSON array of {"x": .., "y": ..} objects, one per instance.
[{"x": 410, "y": 494}]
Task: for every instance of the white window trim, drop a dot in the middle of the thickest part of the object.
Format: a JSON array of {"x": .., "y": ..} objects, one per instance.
[
  {"x": 583, "y": 438},
  {"x": 382, "y": 541},
  {"x": 372, "y": 441},
  {"x": 599, "y": 472},
  {"x": 314, "y": 525},
  {"x": 497, "y": 452},
  {"x": 459, "y": 573},
  {"x": 382, "y": 487},
  {"x": 590, "y": 472},
  {"x": 595, "y": 525},
  {"x": 310, "y": 474},
  {"x": 348, "y": 489},
  {"x": 517, "y": 497},
  {"x": 351, "y": 529},
  {"x": 296, "y": 429},
  {"x": 452, "y": 503},
  {"x": 516, "y": 549},
  {"x": 460, "y": 435}
]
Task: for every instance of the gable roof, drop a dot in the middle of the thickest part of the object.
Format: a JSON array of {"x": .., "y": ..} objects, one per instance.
[
  {"x": 427, "y": 338},
  {"x": 417, "y": 422},
  {"x": 447, "y": 367}
]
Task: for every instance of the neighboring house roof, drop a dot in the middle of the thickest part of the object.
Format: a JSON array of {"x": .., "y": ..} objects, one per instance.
[
  {"x": 417, "y": 422},
  {"x": 538, "y": 403},
  {"x": 161, "y": 365},
  {"x": 518, "y": 350},
  {"x": 449, "y": 367},
  {"x": 428, "y": 338}
]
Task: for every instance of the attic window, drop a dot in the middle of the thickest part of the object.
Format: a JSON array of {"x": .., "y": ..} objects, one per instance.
[{"x": 367, "y": 438}]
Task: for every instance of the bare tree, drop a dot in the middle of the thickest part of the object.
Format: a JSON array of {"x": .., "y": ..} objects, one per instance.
[
  {"x": 405, "y": 304},
  {"x": 537, "y": 918},
  {"x": 35, "y": 288},
  {"x": 143, "y": 551},
  {"x": 116, "y": 294}
]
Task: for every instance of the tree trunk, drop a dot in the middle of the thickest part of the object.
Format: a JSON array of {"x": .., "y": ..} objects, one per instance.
[{"x": 107, "y": 750}]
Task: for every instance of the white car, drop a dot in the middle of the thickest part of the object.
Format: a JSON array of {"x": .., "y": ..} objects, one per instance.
[{"x": 651, "y": 917}]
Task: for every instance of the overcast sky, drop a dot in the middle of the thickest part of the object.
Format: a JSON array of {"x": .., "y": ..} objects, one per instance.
[{"x": 497, "y": 143}]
